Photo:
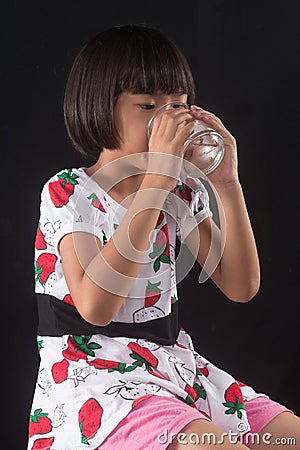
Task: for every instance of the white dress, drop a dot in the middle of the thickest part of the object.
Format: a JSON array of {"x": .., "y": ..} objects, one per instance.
[{"x": 90, "y": 377}]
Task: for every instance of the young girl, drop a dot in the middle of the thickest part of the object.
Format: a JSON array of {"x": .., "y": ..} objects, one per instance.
[{"x": 116, "y": 366}]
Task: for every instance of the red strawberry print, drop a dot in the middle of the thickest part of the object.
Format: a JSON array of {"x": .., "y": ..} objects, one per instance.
[
  {"x": 157, "y": 375},
  {"x": 140, "y": 399},
  {"x": 202, "y": 371},
  {"x": 180, "y": 345},
  {"x": 60, "y": 371},
  {"x": 192, "y": 393},
  {"x": 185, "y": 192},
  {"x": 161, "y": 248},
  {"x": 39, "y": 423},
  {"x": 163, "y": 238},
  {"x": 60, "y": 191},
  {"x": 40, "y": 345},
  {"x": 188, "y": 400},
  {"x": 160, "y": 219},
  {"x": 234, "y": 400},
  {"x": 240, "y": 383},
  {"x": 96, "y": 202},
  {"x": 152, "y": 294},
  {"x": 43, "y": 444},
  {"x": 89, "y": 419},
  {"x": 190, "y": 185},
  {"x": 44, "y": 266},
  {"x": 68, "y": 299},
  {"x": 40, "y": 243},
  {"x": 174, "y": 299},
  {"x": 79, "y": 347},
  {"x": 100, "y": 363},
  {"x": 142, "y": 355},
  {"x": 201, "y": 392},
  {"x": 194, "y": 183}
]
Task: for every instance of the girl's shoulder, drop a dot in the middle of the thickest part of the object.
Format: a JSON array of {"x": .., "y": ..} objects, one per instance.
[
  {"x": 70, "y": 201},
  {"x": 71, "y": 185},
  {"x": 68, "y": 177}
]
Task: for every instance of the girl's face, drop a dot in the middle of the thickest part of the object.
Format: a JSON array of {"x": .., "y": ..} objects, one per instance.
[{"x": 132, "y": 113}]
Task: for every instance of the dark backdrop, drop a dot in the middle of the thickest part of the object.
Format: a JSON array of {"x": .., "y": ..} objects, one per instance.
[{"x": 243, "y": 57}]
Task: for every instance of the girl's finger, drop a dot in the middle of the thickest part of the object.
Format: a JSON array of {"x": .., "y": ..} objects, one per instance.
[
  {"x": 195, "y": 107},
  {"x": 202, "y": 113},
  {"x": 176, "y": 120},
  {"x": 156, "y": 123},
  {"x": 185, "y": 131},
  {"x": 217, "y": 125},
  {"x": 160, "y": 122},
  {"x": 173, "y": 112},
  {"x": 183, "y": 123},
  {"x": 211, "y": 120}
]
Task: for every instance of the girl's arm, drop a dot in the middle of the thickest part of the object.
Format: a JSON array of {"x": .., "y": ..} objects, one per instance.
[
  {"x": 100, "y": 281},
  {"x": 234, "y": 261}
]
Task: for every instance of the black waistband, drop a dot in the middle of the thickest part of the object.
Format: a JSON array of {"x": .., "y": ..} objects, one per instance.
[{"x": 57, "y": 318}]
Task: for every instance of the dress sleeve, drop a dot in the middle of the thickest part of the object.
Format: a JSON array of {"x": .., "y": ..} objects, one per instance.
[
  {"x": 67, "y": 206},
  {"x": 192, "y": 207}
]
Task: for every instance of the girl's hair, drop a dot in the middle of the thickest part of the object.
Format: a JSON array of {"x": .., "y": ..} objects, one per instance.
[{"x": 132, "y": 58}]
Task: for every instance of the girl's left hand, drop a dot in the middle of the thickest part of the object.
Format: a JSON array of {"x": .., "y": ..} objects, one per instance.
[{"x": 227, "y": 171}]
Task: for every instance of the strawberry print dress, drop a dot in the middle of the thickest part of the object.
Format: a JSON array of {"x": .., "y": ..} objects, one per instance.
[{"x": 90, "y": 377}]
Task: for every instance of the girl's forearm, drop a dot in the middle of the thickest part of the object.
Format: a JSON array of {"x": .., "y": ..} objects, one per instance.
[
  {"x": 239, "y": 266},
  {"x": 111, "y": 274}
]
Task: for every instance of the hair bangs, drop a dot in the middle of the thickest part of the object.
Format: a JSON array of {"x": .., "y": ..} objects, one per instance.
[{"x": 151, "y": 64}]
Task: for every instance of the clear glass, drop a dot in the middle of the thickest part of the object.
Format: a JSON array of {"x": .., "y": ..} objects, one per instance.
[{"x": 204, "y": 147}]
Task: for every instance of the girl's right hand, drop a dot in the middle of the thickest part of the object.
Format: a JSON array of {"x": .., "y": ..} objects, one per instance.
[{"x": 170, "y": 130}]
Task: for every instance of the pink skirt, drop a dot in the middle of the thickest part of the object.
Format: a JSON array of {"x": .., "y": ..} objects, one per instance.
[{"x": 155, "y": 421}]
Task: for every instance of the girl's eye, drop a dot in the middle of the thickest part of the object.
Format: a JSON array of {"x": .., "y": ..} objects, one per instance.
[{"x": 147, "y": 106}]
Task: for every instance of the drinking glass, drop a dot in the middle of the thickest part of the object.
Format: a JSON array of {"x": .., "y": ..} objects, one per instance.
[{"x": 204, "y": 147}]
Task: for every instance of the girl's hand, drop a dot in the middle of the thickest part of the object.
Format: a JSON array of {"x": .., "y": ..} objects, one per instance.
[
  {"x": 170, "y": 130},
  {"x": 227, "y": 171}
]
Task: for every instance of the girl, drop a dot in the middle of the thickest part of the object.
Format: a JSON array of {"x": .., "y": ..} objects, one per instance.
[{"x": 116, "y": 366}]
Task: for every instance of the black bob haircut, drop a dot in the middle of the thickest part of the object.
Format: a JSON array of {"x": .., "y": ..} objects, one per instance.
[{"x": 133, "y": 58}]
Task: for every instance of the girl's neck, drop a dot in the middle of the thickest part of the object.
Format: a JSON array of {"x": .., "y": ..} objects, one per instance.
[{"x": 117, "y": 175}]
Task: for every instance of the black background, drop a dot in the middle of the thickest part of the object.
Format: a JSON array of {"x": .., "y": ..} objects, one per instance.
[{"x": 244, "y": 59}]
